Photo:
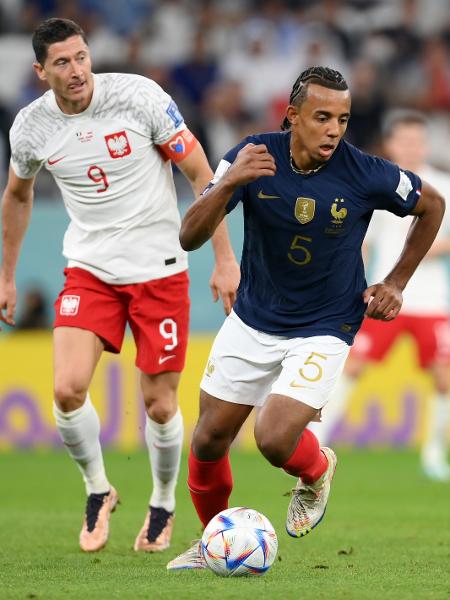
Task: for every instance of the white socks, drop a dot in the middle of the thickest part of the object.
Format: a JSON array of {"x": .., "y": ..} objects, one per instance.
[
  {"x": 436, "y": 436},
  {"x": 80, "y": 432},
  {"x": 164, "y": 444},
  {"x": 334, "y": 410}
]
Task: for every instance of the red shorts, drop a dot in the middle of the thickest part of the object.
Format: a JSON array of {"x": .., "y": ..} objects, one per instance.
[
  {"x": 431, "y": 333},
  {"x": 157, "y": 311}
]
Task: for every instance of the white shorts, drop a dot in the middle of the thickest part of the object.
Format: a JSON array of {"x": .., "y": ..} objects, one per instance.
[{"x": 246, "y": 365}]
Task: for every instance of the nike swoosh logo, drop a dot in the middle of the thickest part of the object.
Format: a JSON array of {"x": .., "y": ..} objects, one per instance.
[
  {"x": 53, "y": 162},
  {"x": 162, "y": 359},
  {"x": 263, "y": 196},
  {"x": 296, "y": 385}
]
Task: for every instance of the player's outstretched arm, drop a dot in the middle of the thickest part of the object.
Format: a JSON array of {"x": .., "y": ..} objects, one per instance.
[
  {"x": 16, "y": 210},
  {"x": 225, "y": 277},
  {"x": 385, "y": 298},
  {"x": 203, "y": 217}
]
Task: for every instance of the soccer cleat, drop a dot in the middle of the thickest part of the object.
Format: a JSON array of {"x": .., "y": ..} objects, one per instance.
[
  {"x": 191, "y": 559},
  {"x": 309, "y": 501},
  {"x": 156, "y": 532},
  {"x": 437, "y": 471},
  {"x": 434, "y": 462},
  {"x": 94, "y": 533}
]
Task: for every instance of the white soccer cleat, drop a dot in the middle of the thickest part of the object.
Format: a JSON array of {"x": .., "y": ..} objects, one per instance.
[
  {"x": 191, "y": 559},
  {"x": 309, "y": 501},
  {"x": 434, "y": 463}
]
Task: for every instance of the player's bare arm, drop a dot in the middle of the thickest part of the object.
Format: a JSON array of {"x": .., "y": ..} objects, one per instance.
[
  {"x": 385, "y": 298},
  {"x": 17, "y": 204},
  {"x": 204, "y": 216},
  {"x": 225, "y": 277}
]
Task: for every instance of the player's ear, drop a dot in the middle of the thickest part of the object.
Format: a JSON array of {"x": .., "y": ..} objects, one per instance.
[
  {"x": 39, "y": 70},
  {"x": 292, "y": 114}
]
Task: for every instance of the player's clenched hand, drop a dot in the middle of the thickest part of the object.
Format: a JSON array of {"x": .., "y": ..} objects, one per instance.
[
  {"x": 7, "y": 301},
  {"x": 253, "y": 161},
  {"x": 384, "y": 301}
]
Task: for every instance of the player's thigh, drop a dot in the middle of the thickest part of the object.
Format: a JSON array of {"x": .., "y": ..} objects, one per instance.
[
  {"x": 243, "y": 363},
  {"x": 158, "y": 314},
  {"x": 218, "y": 424},
  {"x": 76, "y": 353},
  {"x": 311, "y": 368},
  {"x": 88, "y": 303},
  {"x": 279, "y": 425}
]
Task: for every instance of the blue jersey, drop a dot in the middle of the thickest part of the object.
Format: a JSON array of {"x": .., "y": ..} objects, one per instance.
[{"x": 302, "y": 272}]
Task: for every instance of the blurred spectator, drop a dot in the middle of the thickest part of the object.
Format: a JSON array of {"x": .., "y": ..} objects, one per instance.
[
  {"x": 394, "y": 53},
  {"x": 424, "y": 83},
  {"x": 226, "y": 116},
  {"x": 169, "y": 33},
  {"x": 197, "y": 73},
  {"x": 368, "y": 106},
  {"x": 34, "y": 314}
]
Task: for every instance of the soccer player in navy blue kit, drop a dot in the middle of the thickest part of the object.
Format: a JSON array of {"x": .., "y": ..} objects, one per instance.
[{"x": 308, "y": 197}]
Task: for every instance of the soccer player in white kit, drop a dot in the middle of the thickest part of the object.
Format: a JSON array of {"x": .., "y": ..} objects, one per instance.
[
  {"x": 108, "y": 141},
  {"x": 426, "y": 299}
]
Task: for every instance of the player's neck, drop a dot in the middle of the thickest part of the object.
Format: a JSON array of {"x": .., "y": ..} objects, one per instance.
[
  {"x": 303, "y": 163},
  {"x": 73, "y": 108}
]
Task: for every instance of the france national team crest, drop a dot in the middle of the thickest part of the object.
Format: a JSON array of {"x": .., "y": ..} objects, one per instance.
[
  {"x": 304, "y": 210},
  {"x": 118, "y": 144},
  {"x": 174, "y": 113},
  {"x": 69, "y": 305}
]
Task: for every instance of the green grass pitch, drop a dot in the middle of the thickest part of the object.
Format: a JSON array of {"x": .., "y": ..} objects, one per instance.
[{"x": 386, "y": 534}]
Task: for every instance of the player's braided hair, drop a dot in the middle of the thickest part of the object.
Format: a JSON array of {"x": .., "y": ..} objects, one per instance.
[
  {"x": 322, "y": 76},
  {"x": 51, "y": 31}
]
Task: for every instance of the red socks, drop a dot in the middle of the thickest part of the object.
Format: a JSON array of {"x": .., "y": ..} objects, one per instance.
[
  {"x": 307, "y": 461},
  {"x": 210, "y": 483}
]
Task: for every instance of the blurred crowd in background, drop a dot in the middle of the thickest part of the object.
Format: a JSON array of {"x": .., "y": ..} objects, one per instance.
[{"x": 230, "y": 65}]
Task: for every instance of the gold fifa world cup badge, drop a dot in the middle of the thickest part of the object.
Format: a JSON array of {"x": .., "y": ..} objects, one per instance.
[{"x": 304, "y": 210}]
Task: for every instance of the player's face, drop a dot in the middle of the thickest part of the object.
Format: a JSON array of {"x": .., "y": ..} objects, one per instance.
[
  {"x": 407, "y": 145},
  {"x": 67, "y": 70},
  {"x": 318, "y": 124}
]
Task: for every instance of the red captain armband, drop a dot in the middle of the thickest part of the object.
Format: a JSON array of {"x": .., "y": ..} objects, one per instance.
[{"x": 178, "y": 147}]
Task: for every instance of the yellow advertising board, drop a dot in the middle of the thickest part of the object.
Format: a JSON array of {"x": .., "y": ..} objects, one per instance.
[{"x": 388, "y": 406}]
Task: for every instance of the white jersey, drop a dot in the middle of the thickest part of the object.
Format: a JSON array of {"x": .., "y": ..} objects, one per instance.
[
  {"x": 118, "y": 190},
  {"x": 427, "y": 292}
]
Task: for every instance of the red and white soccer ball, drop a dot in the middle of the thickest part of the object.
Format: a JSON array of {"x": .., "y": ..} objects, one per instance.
[{"x": 239, "y": 541}]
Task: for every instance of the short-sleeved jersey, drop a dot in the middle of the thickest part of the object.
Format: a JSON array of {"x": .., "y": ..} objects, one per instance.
[
  {"x": 301, "y": 271},
  {"x": 427, "y": 292},
  {"x": 116, "y": 186}
]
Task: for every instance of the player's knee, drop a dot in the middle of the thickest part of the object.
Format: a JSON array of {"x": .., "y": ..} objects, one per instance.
[
  {"x": 69, "y": 396},
  {"x": 271, "y": 447},
  {"x": 161, "y": 410},
  {"x": 209, "y": 443}
]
